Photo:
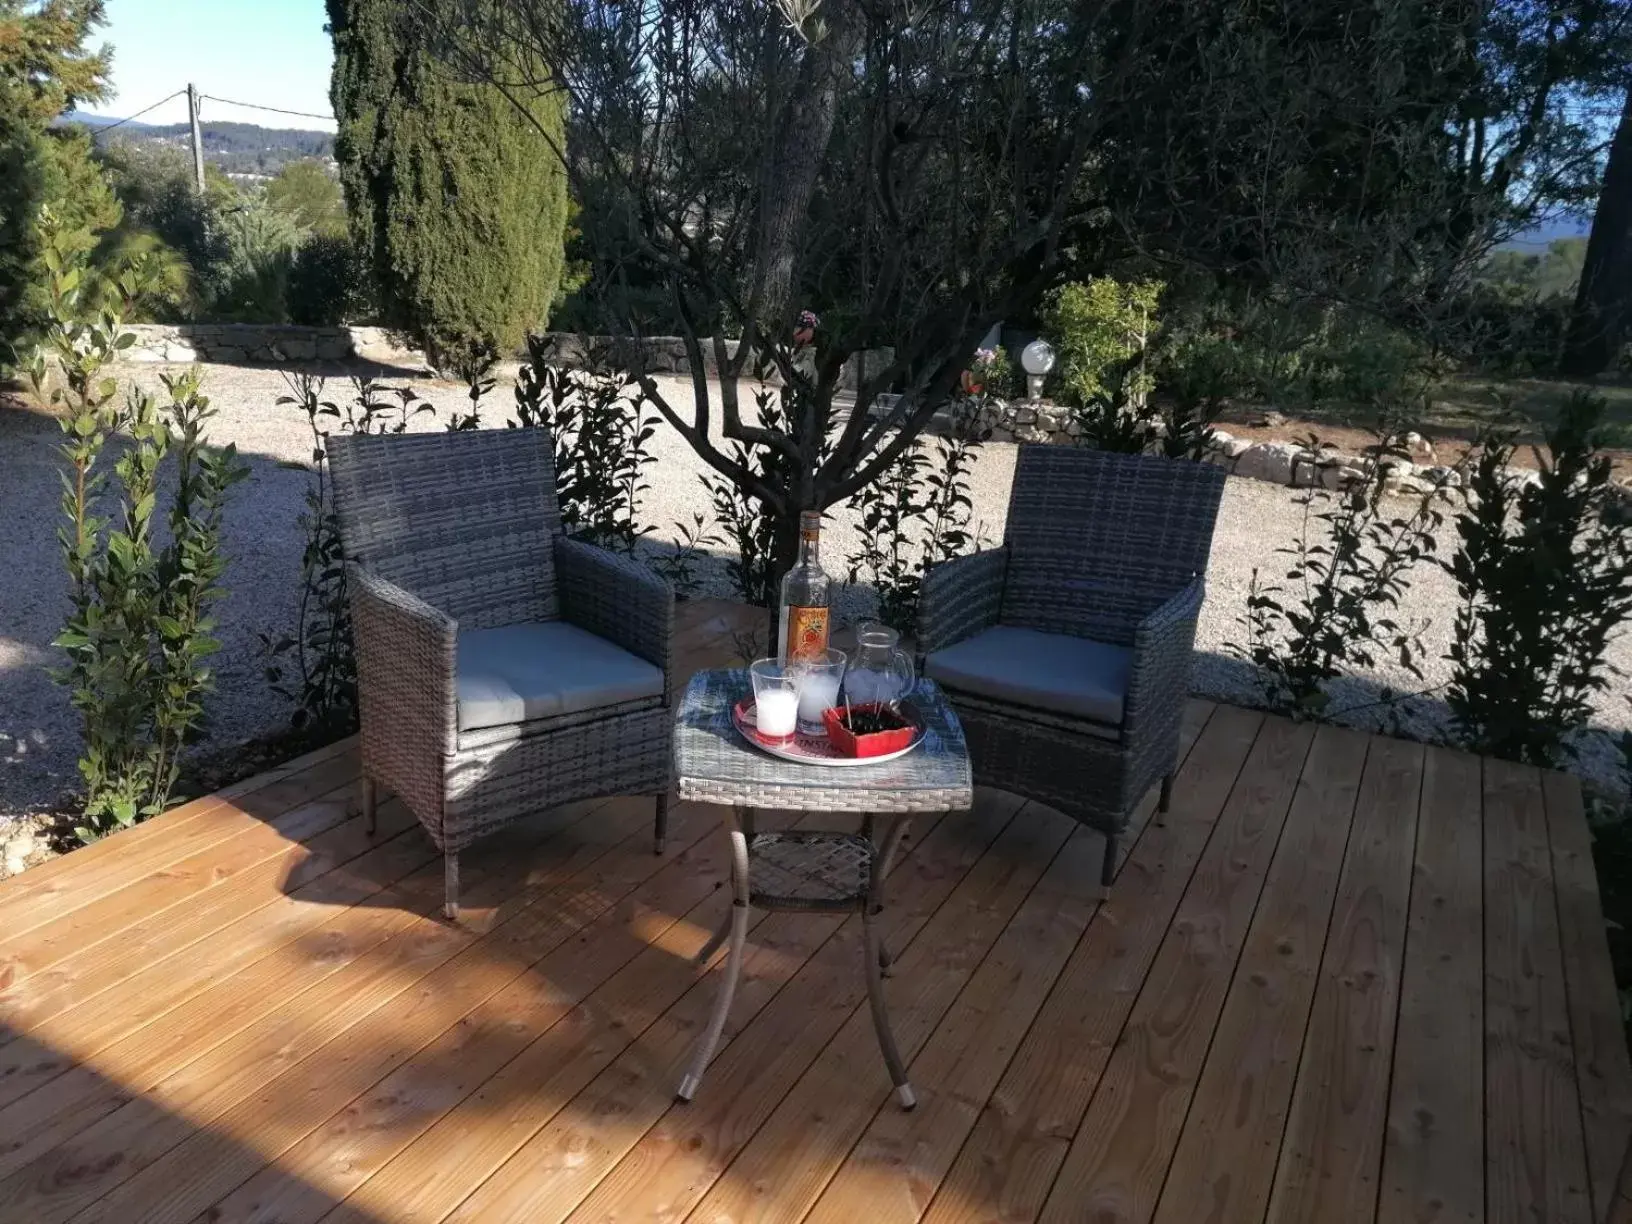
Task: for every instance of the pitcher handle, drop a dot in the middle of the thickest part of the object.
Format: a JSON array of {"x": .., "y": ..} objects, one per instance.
[{"x": 901, "y": 664}]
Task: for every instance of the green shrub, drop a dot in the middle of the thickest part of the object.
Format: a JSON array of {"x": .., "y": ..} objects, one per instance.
[
  {"x": 328, "y": 283},
  {"x": 601, "y": 429},
  {"x": 138, "y": 631},
  {"x": 914, "y": 516},
  {"x": 1544, "y": 575},
  {"x": 249, "y": 282},
  {"x": 1098, "y": 328}
]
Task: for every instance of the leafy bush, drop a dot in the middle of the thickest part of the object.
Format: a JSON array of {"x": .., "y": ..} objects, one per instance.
[
  {"x": 249, "y": 283},
  {"x": 316, "y": 668},
  {"x": 1544, "y": 574},
  {"x": 1333, "y": 609},
  {"x": 915, "y": 516},
  {"x": 601, "y": 430},
  {"x": 328, "y": 283},
  {"x": 1098, "y": 328},
  {"x": 138, "y": 633}
]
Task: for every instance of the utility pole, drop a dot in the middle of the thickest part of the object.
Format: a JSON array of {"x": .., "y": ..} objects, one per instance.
[{"x": 198, "y": 143}]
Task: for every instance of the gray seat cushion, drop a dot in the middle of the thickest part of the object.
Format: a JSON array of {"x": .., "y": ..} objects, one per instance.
[
  {"x": 517, "y": 673},
  {"x": 1046, "y": 671}
]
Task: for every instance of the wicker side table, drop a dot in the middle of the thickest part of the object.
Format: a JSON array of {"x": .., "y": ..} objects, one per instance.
[{"x": 811, "y": 871}]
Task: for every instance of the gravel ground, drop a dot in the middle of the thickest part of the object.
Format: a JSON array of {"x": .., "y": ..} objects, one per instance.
[{"x": 38, "y": 737}]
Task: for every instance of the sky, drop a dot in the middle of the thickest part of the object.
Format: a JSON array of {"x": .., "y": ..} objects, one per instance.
[{"x": 269, "y": 52}]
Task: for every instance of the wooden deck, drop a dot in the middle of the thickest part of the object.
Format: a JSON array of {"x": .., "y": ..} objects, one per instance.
[{"x": 1347, "y": 978}]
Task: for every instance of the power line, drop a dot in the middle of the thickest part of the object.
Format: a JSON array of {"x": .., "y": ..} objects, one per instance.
[
  {"x": 276, "y": 110},
  {"x": 120, "y": 123}
]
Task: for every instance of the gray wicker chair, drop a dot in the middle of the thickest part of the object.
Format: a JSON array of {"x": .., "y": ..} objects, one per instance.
[
  {"x": 502, "y": 668},
  {"x": 1066, "y": 652}
]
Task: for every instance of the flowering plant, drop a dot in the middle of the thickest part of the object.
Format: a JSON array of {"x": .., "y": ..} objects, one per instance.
[
  {"x": 804, "y": 333},
  {"x": 989, "y": 369}
]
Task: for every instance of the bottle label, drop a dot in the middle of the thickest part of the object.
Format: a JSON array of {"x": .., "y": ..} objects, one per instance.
[{"x": 807, "y": 632}]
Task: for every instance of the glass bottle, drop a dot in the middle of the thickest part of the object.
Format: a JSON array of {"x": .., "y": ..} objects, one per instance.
[{"x": 806, "y": 595}]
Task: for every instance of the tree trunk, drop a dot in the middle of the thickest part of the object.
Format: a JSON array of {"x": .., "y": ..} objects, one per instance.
[{"x": 1599, "y": 321}]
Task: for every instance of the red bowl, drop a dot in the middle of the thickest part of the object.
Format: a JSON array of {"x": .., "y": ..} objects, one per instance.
[{"x": 852, "y": 745}]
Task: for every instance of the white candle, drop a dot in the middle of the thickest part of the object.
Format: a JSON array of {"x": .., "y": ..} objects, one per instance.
[
  {"x": 818, "y": 691},
  {"x": 777, "y": 711}
]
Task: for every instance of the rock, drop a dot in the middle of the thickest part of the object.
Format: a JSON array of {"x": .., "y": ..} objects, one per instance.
[
  {"x": 1271, "y": 461},
  {"x": 1000, "y": 434},
  {"x": 1221, "y": 459},
  {"x": 1271, "y": 420},
  {"x": 1306, "y": 473},
  {"x": 1025, "y": 416},
  {"x": 179, "y": 352},
  {"x": 1337, "y": 476},
  {"x": 301, "y": 349},
  {"x": 1237, "y": 447},
  {"x": 1443, "y": 477},
  {"x": 1411, "y": 485},
  {"x": 1218, "y": 438},
  {"x": 20, "y": 846}
]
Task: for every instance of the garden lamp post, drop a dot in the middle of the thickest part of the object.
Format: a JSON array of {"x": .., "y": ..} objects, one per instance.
[{"x": 1037, "y": 359}]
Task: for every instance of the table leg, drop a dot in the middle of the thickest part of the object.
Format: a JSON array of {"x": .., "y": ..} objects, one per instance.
[
  {"x": 733, "y": 960},
  {"x": 878, "y": 958}
]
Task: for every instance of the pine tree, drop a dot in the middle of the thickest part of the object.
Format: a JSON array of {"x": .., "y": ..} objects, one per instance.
[
  {"x": 458, "y": 198},
  {"x": 45, "y": 69}
]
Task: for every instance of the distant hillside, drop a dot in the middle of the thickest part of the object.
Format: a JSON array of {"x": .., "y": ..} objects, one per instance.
[
  {"x": 1537, "y": 239},
  {"x": 236, "y": 148}
]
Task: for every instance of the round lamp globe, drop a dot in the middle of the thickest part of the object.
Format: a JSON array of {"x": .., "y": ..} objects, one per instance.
[{"x": 1037, "y": 357}]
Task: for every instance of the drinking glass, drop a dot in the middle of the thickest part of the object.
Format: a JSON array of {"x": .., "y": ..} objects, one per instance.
[
  {"x": 776, "y": 698},
  {"x": 818, "y": 678}
]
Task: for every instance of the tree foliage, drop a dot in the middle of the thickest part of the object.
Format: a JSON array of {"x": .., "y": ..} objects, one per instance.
[
  {"x": 308, "y": 195},
  {"x": 916, "y": 173},
  {"x": 457, "y": 195},
  {"x": 46, "y": 68}
]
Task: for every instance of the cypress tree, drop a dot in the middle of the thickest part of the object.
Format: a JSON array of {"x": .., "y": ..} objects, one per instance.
[{"x": 458, "y": 200}]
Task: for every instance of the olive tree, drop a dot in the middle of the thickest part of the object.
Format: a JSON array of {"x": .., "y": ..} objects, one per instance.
[{"x": 918, "y": 170}]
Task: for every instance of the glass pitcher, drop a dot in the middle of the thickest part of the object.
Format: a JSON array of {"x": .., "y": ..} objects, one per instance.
[{"x": 880, "y": 671}]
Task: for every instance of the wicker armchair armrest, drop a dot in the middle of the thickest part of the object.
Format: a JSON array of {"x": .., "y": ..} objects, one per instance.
[
  {"x": 617, "y": 599},
  {"x": 1162, "y": 643},
  {"x": 960, "y": 598},
  {"x": 407, "y": 653}
]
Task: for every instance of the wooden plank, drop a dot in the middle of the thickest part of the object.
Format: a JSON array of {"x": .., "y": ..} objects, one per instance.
[
  {"x": 189, "y": 1075},
  {"x": 902, "y": 1157},
  {"x": 769, "y": 1040},
  {"x": 1009, "y": 1162},
  {"x": 1224, "y": 1163},
  {"x": 1602, "y": 1068},
  {"x": 1535, "y": 1153},
  {"x": 440, "y": 1167},
  {"x": 182, "y": 882},
  {"x": 549, "y": 1034},
  {"x": 1120, "y": 1154},
  {"x": 821, "y": 1114},
  {"x": 1331, "y": 1154},
  {"x": 146, "y": 947},
  {"x": 263, "y": 1125},
  {"x": 111, "y": 1012},
  {"x": 27, "y": 902},
  {"x": 1434, "y": 1149},
  {"x": 166, "y": 826}
]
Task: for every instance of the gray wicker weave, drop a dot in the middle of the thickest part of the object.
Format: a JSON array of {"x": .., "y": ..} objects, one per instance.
[
  {"x": 1107, "y": 547},
  {"x": 812, "y": 871},
  {"x": 461, "y": 530}
]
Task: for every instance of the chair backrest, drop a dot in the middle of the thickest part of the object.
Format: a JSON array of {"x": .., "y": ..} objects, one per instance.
[
  {"x": 467, "y": 521},
  {"x": 1097, "y": 540}
]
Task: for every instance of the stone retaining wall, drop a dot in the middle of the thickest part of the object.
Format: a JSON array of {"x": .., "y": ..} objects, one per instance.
[
  {"x": 262, "y": 343},
  {"x": 277, "y": 344}
]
